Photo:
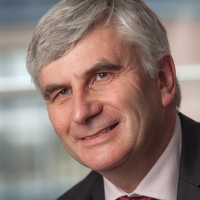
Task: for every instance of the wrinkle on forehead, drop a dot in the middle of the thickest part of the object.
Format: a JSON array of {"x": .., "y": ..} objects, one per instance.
[{"x": 85, "y": 58}]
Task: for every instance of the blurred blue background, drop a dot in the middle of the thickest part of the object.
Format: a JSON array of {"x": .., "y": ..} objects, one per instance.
[{"x": 33, "y": 163}]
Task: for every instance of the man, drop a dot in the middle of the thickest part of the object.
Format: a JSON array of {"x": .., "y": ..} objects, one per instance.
[{"x": 109, "y": 81}]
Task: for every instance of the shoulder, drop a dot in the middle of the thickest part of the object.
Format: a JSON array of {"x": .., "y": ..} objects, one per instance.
[
  {"x": 190, "y": 128},
  {"x": 84, "y": 189},
  {"x": 190, "y": 137},
  {"x": 189, "y": 177}
]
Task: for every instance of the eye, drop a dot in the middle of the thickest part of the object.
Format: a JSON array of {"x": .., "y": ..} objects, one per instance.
[
  {"x": 100, "y": 80},
  {"x": 101, "y": 76},
  {"x": 64, "y": 92}
]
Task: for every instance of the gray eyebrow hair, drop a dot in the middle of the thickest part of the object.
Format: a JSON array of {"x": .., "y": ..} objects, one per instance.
[
  {"x": 49, "y": 89},
  {"x": 102, "y": 65}
]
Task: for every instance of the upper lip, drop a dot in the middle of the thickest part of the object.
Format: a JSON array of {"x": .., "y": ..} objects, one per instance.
[{"x": 102, "y": 131}]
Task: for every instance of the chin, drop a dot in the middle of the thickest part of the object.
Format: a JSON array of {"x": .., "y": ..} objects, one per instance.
[{"x": 104, "y": 165}]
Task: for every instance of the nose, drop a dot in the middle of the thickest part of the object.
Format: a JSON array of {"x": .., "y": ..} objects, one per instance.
[{"x": 85, "y": 107}]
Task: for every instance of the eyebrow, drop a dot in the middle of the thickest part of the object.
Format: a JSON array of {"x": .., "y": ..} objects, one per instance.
[
  {"x": 102, "y": 65},
  {"x": 49, "y": 89}
]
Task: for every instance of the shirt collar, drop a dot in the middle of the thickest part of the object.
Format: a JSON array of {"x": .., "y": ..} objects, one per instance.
[{"x": 162, "y": 180}]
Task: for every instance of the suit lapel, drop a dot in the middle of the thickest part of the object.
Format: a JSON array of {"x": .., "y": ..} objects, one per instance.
[
  {"x": 189, "y": 178},
  {"x": 97, "y": 192}
]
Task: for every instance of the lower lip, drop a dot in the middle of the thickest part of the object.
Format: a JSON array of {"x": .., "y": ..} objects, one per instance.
[{"x": 100, "y": 138}]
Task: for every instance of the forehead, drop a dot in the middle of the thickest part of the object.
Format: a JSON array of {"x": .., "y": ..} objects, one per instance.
[
  {"x": 99, "y": 43},
  {"x": 102, "y": 43}
]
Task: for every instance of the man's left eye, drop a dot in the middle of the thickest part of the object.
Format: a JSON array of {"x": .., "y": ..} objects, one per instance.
[
  {"x": 100, "y": 79},
  {"x": 101, "y": 75}
]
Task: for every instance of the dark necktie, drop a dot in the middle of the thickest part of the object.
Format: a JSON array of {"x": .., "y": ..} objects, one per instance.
[{"x": 135, "y": 198}]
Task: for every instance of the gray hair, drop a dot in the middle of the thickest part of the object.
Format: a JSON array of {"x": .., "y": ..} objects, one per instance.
[{"x": 68, "y": 21}]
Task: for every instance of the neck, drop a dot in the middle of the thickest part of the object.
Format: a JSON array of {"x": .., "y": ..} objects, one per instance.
[{"x": 130, "y": 173}]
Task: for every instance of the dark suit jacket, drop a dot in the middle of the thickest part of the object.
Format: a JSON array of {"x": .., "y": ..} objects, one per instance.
[{"x": 91, "y": 188}]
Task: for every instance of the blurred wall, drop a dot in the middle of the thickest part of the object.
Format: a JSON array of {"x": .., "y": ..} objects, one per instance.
[{"x": 33, "y": 163}]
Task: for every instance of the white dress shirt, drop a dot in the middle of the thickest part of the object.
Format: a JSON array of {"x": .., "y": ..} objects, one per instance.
[{"x": 161, "y": 182}]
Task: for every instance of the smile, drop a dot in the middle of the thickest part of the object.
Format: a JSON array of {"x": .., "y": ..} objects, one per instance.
[{"x": 101, "y": 132}]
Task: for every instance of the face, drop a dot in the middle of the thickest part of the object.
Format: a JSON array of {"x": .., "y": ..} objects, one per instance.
[{"x": 102, "y": 105}]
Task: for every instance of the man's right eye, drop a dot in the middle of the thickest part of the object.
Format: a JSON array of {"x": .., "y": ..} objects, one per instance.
[{"x": 64, "y": 92}]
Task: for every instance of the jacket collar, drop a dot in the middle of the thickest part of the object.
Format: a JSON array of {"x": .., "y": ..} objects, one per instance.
[{"x": 190, "y": 153}]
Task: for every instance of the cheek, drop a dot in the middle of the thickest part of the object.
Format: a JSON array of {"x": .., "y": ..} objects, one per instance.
[
  {"x": 125, "y": 97},
  {"x": 59, "y": 120}
]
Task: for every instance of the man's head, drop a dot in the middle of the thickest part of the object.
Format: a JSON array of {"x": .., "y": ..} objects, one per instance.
[
  {"x": 105, "y": 71},
  {"x": 65, "y": 24}
]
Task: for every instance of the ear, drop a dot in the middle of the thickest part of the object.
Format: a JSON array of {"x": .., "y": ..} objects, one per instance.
[{"x": 166, "y": 79}]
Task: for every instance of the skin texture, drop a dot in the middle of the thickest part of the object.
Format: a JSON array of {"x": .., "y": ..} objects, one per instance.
[{"x": 101, "y": 85}]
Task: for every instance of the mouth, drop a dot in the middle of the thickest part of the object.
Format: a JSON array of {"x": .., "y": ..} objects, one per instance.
[{"x": 101, "y": 132}]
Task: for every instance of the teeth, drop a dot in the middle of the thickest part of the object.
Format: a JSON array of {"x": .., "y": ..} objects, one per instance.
[
  {"x": 105, "y": 130},
  {"x": 102, "y": 132}
]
